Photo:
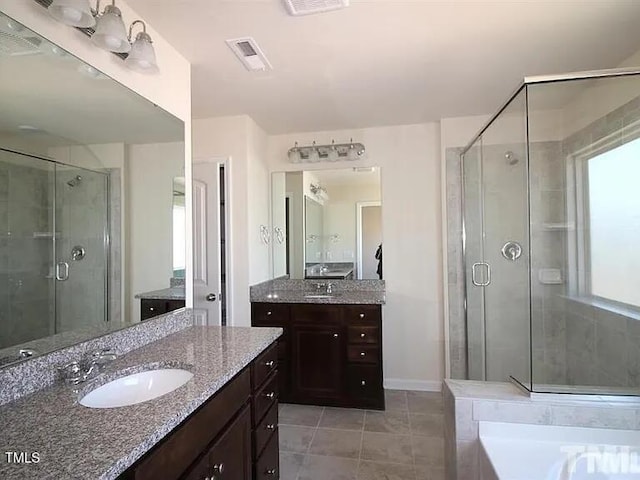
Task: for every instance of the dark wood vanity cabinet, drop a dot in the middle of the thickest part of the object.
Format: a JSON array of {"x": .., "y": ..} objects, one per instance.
[
  {"x": 329, "y": 354},
  {"x": 152, "y": 307},
  {"x": 232, "y": 436}
]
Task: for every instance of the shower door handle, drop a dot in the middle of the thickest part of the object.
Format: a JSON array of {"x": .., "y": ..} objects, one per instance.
[
  {"x": 62, "y": 271},
  {"x": 474, "y": 274}
]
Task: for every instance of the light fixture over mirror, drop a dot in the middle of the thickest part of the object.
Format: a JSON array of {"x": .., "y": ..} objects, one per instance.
[
  {"x": 110, "y": 31},
  {"x": 326, "y": 153},
  {"x": 75, "y": 13},
  {"x": 142, "y": 57},
  {"x": 111, "y": 34}
]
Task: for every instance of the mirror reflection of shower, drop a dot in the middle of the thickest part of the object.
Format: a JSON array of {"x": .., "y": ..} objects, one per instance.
[{"x": 75, "y": 181}]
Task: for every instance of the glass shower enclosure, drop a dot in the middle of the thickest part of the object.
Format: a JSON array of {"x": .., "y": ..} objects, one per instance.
[
  {"x": 551, "y": 236},
  {"x": 53, "y": 247}
]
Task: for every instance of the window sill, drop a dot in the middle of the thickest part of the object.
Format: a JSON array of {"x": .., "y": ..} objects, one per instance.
[{"x": 608, "y": 307}]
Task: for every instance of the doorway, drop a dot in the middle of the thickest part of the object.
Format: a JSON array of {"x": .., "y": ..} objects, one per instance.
[
  {"x": 210, "y": 246},
  {"x": 369, "y": 238}
]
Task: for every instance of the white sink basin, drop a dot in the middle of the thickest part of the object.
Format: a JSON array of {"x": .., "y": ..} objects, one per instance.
[{"x": 136, "y": 388}]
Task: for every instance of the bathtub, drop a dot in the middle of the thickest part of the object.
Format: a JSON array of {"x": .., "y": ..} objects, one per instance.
[{"x": 511, "y": 451}]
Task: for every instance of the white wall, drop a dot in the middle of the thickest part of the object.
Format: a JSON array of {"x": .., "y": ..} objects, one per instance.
[
  {"x": 170, "y": 89},
  {"x": 259, "y": 204},
  {"x": 409, "y": 157},
  {"x": 150, "y": 170}
]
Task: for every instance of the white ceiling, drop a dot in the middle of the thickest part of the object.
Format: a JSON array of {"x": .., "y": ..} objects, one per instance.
[{"x": 385, "y": 62}]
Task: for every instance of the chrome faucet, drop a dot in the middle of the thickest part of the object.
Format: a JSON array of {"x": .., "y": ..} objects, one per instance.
[{"x": 80, "y": 371}]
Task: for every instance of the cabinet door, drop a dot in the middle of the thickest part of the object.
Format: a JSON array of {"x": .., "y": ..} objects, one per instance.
[
  {"x": 230, "y": 456},
  {"x": 318, "y": 361}
]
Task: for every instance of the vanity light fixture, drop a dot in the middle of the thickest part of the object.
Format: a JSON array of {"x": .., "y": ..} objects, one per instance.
[
  {"x": 75, "y": 13},
  {"x": 111, "y": 34},
  {"x": 142, "y": 57},
  {"x": 110, "y": 31},
  {"x": 326, "y": 153}
]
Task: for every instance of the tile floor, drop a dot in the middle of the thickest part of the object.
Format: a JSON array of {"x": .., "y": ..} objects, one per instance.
[{"x": 405, "y": 442}]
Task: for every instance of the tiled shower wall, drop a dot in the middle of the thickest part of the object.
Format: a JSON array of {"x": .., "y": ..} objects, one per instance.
[{"x": 26, "y": 285}]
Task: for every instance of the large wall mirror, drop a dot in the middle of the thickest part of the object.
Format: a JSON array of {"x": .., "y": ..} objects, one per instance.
[
  {"x": 327, "y": 224},
  {"x": 87, "y": 198}
]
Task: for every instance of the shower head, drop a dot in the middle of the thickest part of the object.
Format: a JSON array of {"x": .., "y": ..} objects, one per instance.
[
  {"x": 75, "y": 181},
  {"x": 511, "y": 158}
]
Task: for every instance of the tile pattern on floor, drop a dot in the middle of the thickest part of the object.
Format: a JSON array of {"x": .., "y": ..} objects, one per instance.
[{"x": 405, "y": 442}]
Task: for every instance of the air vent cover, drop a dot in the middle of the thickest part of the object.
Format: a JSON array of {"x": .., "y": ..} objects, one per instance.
[
  {"x": 250, "y": 54},
  {"x": 307, "y": 7}
]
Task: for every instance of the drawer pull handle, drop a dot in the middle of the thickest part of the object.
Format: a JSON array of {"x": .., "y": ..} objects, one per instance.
[
  {"x": 151, "y": 309},
  {"x": 362, "y": 335},
  {"x": 269, "y": 313},
  {"x": 270, "y": 395},
  {"x": 270, "y": 426},
  {"x": 362, "y": 315},
  {"x": 218, "y": 468},
  {"x": 270, "y": 363},
  {"x": 271, "y": 471},
  {"x": 362, "y": 354},
  {"x": 363, "y": 383},
  {"x": 335, "y": 335}
]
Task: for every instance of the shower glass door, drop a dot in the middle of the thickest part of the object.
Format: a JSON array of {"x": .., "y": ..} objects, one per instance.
[
  {"x": 53, "y": 248},
  {"x": 81, "y": 246},
  {"x": 27, "y": 293},
  {"x": 497, "y": 249}
]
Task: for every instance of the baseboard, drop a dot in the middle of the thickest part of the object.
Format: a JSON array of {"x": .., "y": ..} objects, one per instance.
[{"x": 406, "y": 384}]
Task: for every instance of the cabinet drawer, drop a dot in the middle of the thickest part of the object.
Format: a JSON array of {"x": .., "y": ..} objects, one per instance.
[
  {"x": 268, "y": 466},
  {"x": 363, "y": 334},
  {"x": 362, "y": 314},
  {"x": 230, "y": 456},
  {"x": 317, "y": 314},
  {"x": 269, "y": 315},
  {"x": 364, "y": 381},
  {"x": 150, "y": 308},
  {"x": 264, "y": 398},
  {"x": 265, "y": 429},
  {"x": 174, "y": 305},
  {"x": 173, "y": 456},
  {"x": 363, "y": 354},
  {"x": 264, "y": 365}
]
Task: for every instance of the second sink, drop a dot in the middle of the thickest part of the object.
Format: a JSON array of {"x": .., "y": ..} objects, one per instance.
[{"x": 136, "y": 388}]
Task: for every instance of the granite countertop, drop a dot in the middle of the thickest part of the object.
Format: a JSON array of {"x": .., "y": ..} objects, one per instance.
[
  {"x": 83, "y": 443},
  {"x": 338, "y": 297},
  {"x": 173, "y": 293}
]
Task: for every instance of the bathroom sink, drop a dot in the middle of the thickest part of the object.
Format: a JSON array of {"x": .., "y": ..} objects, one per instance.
[
  {"x": 136, "y": 388},
  {"x": 321, "y": 295}
]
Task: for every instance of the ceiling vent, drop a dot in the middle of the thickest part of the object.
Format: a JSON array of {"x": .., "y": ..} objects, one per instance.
[
  {"x": 250, "y": 54},
  {"x": 308, "y": 7}
]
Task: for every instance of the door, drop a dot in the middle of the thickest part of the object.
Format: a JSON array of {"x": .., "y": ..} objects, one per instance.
[
  {"x": 81, "y": 247},
  {"x": 209, "y": 245},
  {"x": 27, "y": 289},
  {"x": 317, "y": 363},
  {"x": 369, "y": 225},
  {"x": 496, "y": 236}
]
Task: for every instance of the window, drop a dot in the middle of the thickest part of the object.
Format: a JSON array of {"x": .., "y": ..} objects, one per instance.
[{"x": 612, "y": 233}]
